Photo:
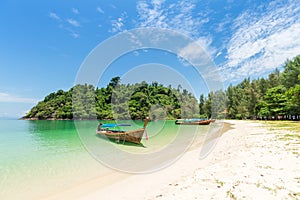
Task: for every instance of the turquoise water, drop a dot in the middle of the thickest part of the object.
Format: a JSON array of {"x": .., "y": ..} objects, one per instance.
[{"x": 39, "y": 158}]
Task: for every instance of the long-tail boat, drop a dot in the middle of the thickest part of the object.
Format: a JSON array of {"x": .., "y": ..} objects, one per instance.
[
  {"x": 112, "y": 131},
  {"x": 193, "y": 121}
]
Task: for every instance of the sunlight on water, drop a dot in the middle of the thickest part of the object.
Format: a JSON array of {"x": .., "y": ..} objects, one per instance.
[{"x": 40, "y": 158}]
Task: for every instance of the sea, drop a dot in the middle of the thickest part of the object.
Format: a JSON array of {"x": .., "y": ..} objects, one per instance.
[{"x": 42, "y": 158}]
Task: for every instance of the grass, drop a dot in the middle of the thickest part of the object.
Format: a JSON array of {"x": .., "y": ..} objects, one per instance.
[
  {"x": 293, "y": 135},
  {"x": 221, "y": 183},
  {"x": 287, "y": 137},
  {"x": 258, "y": 184},
  {"x": 293, "y": 126},
  {"x": 269, "y": 188},
  {"x": 284, "y": 125},
  {"x": 231, "y": 195}
]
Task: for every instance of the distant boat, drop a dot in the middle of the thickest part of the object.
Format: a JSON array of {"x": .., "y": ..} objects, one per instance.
[
  {"x": 111, "y": 131},
  {"x": 193, "y": 121}
]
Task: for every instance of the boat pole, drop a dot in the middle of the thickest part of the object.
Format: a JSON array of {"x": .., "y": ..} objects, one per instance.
[{"x": 146, "y": 122}]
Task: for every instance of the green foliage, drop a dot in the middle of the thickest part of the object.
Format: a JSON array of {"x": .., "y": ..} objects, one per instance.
[
  {"x": 83, "y": 97},
  {"x": 274, "y": 97},
  {"x": 117, "y": 101},
  {"x": 201, "y": 104},
  {"x": 214, "y": 105},
  {"x": 55, "y": 105},
  {"x": 293, "y": 100},
  {"x": 290, "y": 75},
  {"x": 275, "y": 101}
]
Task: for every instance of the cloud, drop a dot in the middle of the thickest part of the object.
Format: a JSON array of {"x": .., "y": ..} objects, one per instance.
[
  {"x": 198, "y": 52},
  {"x": 4, "y": 97},
  {"x": 180, "y": 16},
  {"x": 75, "y": 11},
  {"x": 74, "y": 35},
  {"x": 99, "y": 10},
  {"x": 65, "y": 24},
  {"x": 177, "y": 16},
  {"x": 118, "y": 24},
  {"x": 54, "y": 16},
  {"x": 4, "y": 114},
  {"x": 73, "y": 22},
  {"x": 113, "y": 6},
  {"x": 223, "y": 25},
  {"x": 263, "y": 40}
]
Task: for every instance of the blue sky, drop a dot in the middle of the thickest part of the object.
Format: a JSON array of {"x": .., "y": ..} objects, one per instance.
[{"x": 44, "y": 43}]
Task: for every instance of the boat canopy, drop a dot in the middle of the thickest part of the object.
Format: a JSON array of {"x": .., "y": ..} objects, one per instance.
[
  {"x": 114, "y": 125},
  {"x": 191, "y": 120}
]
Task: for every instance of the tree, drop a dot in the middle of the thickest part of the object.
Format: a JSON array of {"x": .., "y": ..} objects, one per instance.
[
  {"x": 232, "y": 101},
  {"x": 275, "y": 99},
  {"x": 218, "y": 104},
  {"x": 114, "y": 82},
  {"x": 207, "y": 107},
  {"x": 277, "y": 95},
  {"x": 293, "y": 102},
  {"x": 274, "y": 78},
  {"x": 201, "y": 104},
  {"x": 291, "y": 72},
  {"x": 84, "y": 102}
]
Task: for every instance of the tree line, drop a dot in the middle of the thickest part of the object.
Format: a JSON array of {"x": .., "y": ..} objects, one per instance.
[
  {"x": 117, "y": 101},
  {"x": 274, "y": 97}
]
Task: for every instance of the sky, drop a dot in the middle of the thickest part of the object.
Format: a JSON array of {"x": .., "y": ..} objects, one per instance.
[{"x": 43, "y": 44}]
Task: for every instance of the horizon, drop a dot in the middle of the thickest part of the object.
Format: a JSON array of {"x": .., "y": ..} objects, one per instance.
[{"x": 44, "y": 44}]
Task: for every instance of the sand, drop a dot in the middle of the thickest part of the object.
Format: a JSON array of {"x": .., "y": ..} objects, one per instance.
[{"x": 249, "y": 161}]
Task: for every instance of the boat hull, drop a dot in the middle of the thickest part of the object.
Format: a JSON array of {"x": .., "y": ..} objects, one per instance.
[
  {"x": 134, "y": 136},
  {"x": 202, "y": 122}
]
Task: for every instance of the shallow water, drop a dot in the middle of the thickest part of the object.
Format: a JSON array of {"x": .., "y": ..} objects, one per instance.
[{"x": 39, "y": 158}]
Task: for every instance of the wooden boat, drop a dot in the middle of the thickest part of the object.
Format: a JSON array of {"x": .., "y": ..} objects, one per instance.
[
  {"x": 134, "y": 136},
  {"x": 193, "y": 121}
]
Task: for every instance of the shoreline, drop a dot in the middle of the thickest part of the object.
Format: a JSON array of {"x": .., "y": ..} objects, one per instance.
[
  {"x": 249, "y": 161},
  {"x": 96, "y": 185}
]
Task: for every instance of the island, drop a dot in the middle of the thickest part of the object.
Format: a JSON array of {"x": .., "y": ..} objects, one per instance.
[{"x": 276, "y": 96}]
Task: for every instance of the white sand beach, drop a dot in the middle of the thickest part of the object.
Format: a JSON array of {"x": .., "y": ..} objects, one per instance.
[{"x": 250, "y": 161}]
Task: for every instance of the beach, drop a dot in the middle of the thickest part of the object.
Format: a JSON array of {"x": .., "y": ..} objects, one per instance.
[{"x": 249, "y": 161}]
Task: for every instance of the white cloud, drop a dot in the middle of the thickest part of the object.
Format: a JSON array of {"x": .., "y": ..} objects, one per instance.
[
  {"x": 74, "y": 35},
  {"x": 75, "y": 11},
  {"x": 176, "y": 16},
  {"x": 222, "y": 26},
  {"x": 183, "y": 17},
  {"x": 198, "y": 52},
  {"x": 263, "y": 41},
  {"x": 4, "y": 97},
  {"x": 118, "y": 24},
  {"x": 54, "y": 16},
  {"x": 99, "y": 10},
  {"x": 113, "y": 6},
  {"x": 73, "y": 22},
  {"x": 65, "y": 24}
]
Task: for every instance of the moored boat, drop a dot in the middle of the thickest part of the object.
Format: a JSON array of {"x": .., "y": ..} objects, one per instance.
[
  {"x": 193, "y": 121},
  {"x": 134, "y": 136}
]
